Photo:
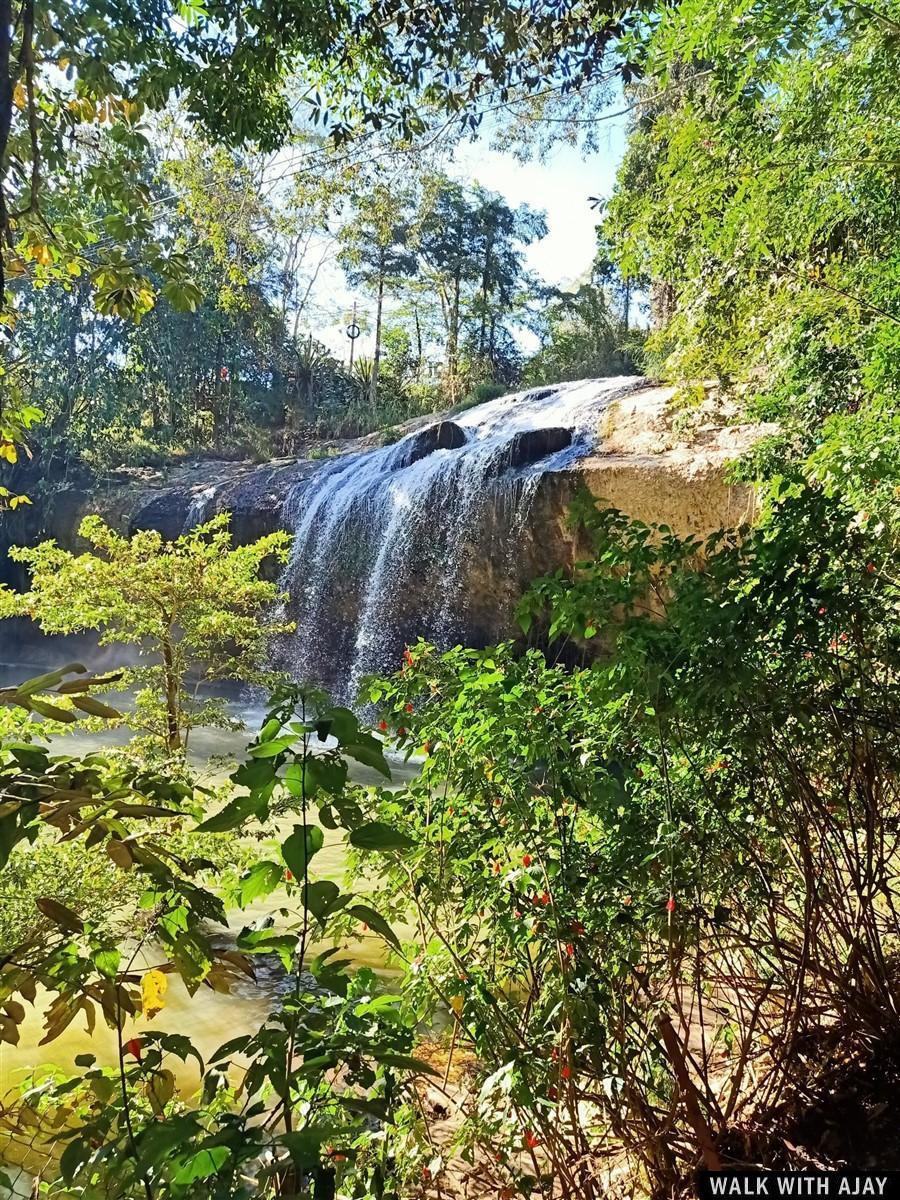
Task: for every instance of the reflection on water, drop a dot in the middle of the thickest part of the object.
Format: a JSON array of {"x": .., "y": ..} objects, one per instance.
[{"x": 209, "y": 1017}]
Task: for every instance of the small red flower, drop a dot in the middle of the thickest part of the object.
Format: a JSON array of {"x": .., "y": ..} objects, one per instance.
[
  {"x": 531, "y": 1139},
  {"x": 552, "y": 1092},
  {"x": 407, "y": 657},
  {"x": 382, "y": 725},
  {"x": 566, "y": 1072},
  {"x": 570, "y": 950},
  {"x": 134, "y": 1047},
  {"x": 426, "y": 1174},
  {"x": 497, "y": 868},
  {"x": 626, "y": 900},
  {"x": 670, "y": 904},
  {"x": 401, "y": 732},
  {"x": 409, "y": 708},
  {"x": 822, "y": 611},
  {"x": 545, "y": 897},
  {"x": 870, "y": 567},
  {"x": 289, "y": 875},
  {"x": 517, "y": 913},
  {"x": 526, "y": 860}
]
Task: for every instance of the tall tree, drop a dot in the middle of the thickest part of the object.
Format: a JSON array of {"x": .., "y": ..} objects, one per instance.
[{"x": 376, "y": 252}]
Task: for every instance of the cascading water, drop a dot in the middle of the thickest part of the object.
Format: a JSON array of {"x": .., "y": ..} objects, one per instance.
[
  {"x": 384, "y": 541},
  {"x": 200, "y": 509}
]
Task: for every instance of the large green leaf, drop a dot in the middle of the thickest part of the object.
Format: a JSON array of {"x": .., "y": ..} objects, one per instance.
[
  {"x": 375, "y": 835},
  {"x": 300, "y": 847},
  {"x": 376, "y": 922}
]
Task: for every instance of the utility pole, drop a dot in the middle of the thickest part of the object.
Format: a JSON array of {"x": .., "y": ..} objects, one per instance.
[{"x": 353, "y": 332}]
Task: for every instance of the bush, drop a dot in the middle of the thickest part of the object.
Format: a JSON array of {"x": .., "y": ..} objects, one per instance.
[{"x": 661, "y": 893}]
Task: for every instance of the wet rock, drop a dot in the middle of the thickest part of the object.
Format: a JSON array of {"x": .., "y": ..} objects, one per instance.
[
  {"x": 445, "y": 435},
  {"x": 165, "y": 512},
  {"x": 531, "y": 446}
]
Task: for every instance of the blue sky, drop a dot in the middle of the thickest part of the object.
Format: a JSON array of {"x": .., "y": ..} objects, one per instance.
[{"x": 561, "y": 185}]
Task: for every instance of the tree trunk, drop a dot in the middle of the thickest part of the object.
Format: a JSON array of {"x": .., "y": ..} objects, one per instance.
[
  {"x": 376, "y": 358},
  {"x": 453, "y": 338},
  {"x": 418, "y": 342},
  {"x": 6, "y": 109},
  {"x": 173, "y": 729}
]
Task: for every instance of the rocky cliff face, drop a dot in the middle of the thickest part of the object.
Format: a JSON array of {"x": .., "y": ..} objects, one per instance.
[{"x": 439, "y": 533}]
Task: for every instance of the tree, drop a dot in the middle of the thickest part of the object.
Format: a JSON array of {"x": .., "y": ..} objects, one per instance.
[
  {"x": 471, "y": 243},
  {"x": 376, "y": 251},
  {"x": 583, "y": 339},
  {"x": 190, "y": 605}
]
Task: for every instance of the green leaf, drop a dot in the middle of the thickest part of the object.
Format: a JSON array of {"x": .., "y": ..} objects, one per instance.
[
  {"x": 370, "y": 755},
  {"x": 339, "y": 723},
  {"x": 300, "y": 847},
  {"x": 201, "y": 1165},
  {"x": 321, "y": 897},
  {"x": 305, "y": 1145},
  {"x": 107, "y": 961},
  {"x": 376, "y": 922},
  {"x": 95, "y": 707},
  {"x": 406, "y": 1062},
  {"x": 375, "y": 835},
  {"x": 272, "y": 748},
  {"x": 262, "y": 879},
  {"x": 235, "y": 813}
]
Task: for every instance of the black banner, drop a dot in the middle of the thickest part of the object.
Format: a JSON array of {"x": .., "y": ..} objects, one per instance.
[{"x": 714, "y": 1185}]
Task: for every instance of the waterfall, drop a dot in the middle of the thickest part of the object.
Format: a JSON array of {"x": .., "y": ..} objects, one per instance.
[
  {"x": 200, "y": 509},
  {"x": 386, "y": 541}
]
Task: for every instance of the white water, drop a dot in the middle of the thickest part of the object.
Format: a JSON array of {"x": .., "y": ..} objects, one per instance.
[
  {"x": 380, "y": 548},
  {"x": 200, "y": 509}
]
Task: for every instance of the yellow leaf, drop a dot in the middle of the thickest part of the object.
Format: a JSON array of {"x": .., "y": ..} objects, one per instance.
[
  {"x": 456, "y": 1003},
  {"x": 8, "y": 451},
  {"x": 20, "y": 96},
  {"x": 41, "y": 254},
  {"x": 153, "y": 990}
]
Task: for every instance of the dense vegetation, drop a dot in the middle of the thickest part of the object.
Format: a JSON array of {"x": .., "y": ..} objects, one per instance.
[{"x": 651, "y": 903}]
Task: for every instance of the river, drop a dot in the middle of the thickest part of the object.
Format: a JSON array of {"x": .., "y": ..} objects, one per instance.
[{"x": 211, "y": 1018}]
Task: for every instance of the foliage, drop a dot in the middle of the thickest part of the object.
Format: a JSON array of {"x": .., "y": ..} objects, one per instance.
[
  {"x": 190, "y": 605},
  {"x": 583, "y": 339},
  {"x": 330, "y": 1066},
  {"x": 757, "y": 196},
  {"x": 684, "y": 836}
]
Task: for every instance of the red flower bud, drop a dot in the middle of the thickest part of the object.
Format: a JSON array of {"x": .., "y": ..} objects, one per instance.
[
  {"x": 289, "y": 875},
  {"x": 382, "y": 725},
  {"x": 531, "y": 1139},
  {"x": 134, "y": 1047},
  {"x": 409, "y": 708},
  {"x": 526, "y": 860},
  {"x": 670, "y": 904}
]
